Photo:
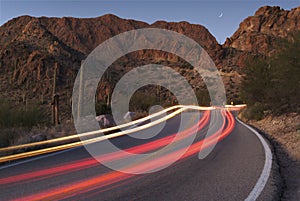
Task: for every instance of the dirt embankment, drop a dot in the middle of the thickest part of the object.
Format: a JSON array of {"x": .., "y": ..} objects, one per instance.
[{"x": 284, "y": 133}]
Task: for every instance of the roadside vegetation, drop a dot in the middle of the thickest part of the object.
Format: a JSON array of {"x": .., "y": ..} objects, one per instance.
[
  {"x": 272, "y": 84},
  {"x": 27, "y": 117},
  {"x": 16, "y": 121},
  {"x": 272, "y": 91},
  {"x": 142, "y": 101}
]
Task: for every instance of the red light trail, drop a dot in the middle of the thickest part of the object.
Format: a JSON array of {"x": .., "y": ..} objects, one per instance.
[{"x": 114, "y": 177}]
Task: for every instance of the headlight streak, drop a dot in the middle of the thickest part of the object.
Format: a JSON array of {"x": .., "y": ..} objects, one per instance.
[
  {"x": 75, "y": 136},
  {"x": 71, "y": 137},
  {"x": 114, "y": 177},
  {"x": 103, "y": 137},
  {"x": 89, "y": 141},
  {"x": 86, "y": 163}
]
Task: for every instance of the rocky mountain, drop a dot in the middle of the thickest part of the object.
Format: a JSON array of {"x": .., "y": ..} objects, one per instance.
[
  {"x": 258, "y": 33},
  {"x": 31, "y": 48}
]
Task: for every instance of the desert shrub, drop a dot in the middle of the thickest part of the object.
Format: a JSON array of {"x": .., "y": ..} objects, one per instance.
[
  {"x": 203, "y": 97},
  {"x": 257, "y": 81},
  {"x": 142, "y": 101},
  {"x": 8, "y": 136},
  {"x": 5, "y": 137},
  {"x": 255, "y": 112},
  {"x": 273, "y": 83},
  {"x": 102, "y": 108},
  {"x": 27, "y": 117}
]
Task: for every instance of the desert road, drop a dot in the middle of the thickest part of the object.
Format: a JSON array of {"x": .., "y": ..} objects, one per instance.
[{"x": 237, "y": 168}]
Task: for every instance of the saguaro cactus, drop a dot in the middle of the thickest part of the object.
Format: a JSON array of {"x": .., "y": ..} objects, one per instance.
[
  {"x": 55, "y": 99},
  {"x": 81, "y": 91}
]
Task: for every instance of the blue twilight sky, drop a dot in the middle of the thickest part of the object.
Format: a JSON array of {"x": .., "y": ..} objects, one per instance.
[{"x": 204, "y": 12}]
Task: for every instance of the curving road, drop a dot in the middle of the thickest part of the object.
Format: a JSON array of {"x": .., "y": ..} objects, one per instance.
[{"x": 232, "y": 171}]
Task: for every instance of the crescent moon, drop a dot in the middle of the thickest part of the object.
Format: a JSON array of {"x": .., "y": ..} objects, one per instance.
[{"x": 221, "y": 15}]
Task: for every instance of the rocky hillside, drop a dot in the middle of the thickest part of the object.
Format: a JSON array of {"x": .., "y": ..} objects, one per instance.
[
  {"x": 30, "y": 48},
  {"x": 258, "y": 33}
]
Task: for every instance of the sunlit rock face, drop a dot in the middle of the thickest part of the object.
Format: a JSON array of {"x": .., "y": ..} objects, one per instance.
[{"x": 258, "y": 33}]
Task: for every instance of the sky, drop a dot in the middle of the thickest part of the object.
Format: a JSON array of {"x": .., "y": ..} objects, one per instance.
[{"x": 220, "y": 17}]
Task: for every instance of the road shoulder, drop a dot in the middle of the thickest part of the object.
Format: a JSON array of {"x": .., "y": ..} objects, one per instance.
[
  {"x": 282, "y": 132},
  {"x": 272, "y": 189}
]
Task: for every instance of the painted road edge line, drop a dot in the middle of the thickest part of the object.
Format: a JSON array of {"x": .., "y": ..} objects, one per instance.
[{"x": 265, "y": 174}]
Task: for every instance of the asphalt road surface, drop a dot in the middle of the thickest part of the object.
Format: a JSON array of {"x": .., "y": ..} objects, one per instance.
[{"x": 229, "y": 172}]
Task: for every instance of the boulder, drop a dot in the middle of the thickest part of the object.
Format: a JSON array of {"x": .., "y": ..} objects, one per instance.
[{"x": 105, "y": 120}]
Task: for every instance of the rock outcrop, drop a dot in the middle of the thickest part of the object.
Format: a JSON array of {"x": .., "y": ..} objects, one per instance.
[{"x": 258, "y": 33}]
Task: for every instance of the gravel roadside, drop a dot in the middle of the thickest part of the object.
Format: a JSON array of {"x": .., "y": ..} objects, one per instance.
[{"x": 284, "y": 134}]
